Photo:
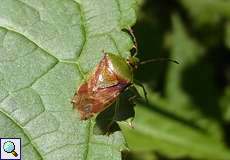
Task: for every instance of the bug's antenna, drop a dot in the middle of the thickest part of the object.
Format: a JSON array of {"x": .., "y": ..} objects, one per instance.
[{"x": 158, "y": 60}]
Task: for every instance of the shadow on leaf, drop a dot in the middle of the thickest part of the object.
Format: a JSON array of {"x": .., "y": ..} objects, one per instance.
[{"x": 121, "y": 110}]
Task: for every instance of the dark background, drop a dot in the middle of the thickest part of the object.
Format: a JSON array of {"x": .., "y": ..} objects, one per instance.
[{"x": 196, "y": 34}]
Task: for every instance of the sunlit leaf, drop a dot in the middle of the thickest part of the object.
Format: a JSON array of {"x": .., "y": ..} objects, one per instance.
[{"x": 46, "y": 49}]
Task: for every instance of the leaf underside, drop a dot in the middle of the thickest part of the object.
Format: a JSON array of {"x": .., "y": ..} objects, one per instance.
[{"x": 46, "y": 50}]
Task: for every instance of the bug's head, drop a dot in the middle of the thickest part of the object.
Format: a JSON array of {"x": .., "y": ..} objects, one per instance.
[{"x": 133, "y": 61}]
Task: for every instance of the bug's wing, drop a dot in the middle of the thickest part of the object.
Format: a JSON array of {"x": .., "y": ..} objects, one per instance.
[
  {"x": 106, "y": 78},
  {"x": 106, "y": 96},
  {"x": 103, "y": 76},
  {"x": 88, "y": 102}
]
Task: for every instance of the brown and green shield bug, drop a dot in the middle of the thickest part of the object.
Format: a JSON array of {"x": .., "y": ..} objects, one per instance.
[{"x": 110, "y": 77}]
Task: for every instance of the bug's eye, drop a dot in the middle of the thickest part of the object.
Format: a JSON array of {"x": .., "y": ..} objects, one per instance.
[{"x": 133, "y": 50}]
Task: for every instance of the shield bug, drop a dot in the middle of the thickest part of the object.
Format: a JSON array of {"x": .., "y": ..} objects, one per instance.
[{"x": 110, "y": 77}]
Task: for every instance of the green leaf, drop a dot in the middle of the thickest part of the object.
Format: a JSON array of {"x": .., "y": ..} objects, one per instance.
[
  {"x": 180, "y": 124},
  {"x": 184, "y": 98},
  {"x": 206, "y": 11},
  {"x": 227, "y": 38},
  {"x": 225, "y": 104},
  {"x": 46, "y": 50},
  {"x": 156, "y": 129}
]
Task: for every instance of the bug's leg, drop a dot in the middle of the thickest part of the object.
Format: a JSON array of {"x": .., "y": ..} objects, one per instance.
[
  {"x": 134, "y": 91},
  {"x": 134, "y": 40},
  {"x": 130, "y": 122},
  {"x": 143, "y": 88},
  {"x": 134, "y": 49},
  {"x": 132, "y": 98},
  {"x": 73, "y": 101}
]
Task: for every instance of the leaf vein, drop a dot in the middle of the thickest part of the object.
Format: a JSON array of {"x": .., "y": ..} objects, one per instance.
[
  {"x": 24, "y": 131},
  {"x": 115, "y": 43},
  {"x": 88, "y": 139},
  {"x": 61, "y": 147},
  {"x": 83, "y": 27},
  {"x": 12, "y": 30},
  {"x": 31, "y": 7}
]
